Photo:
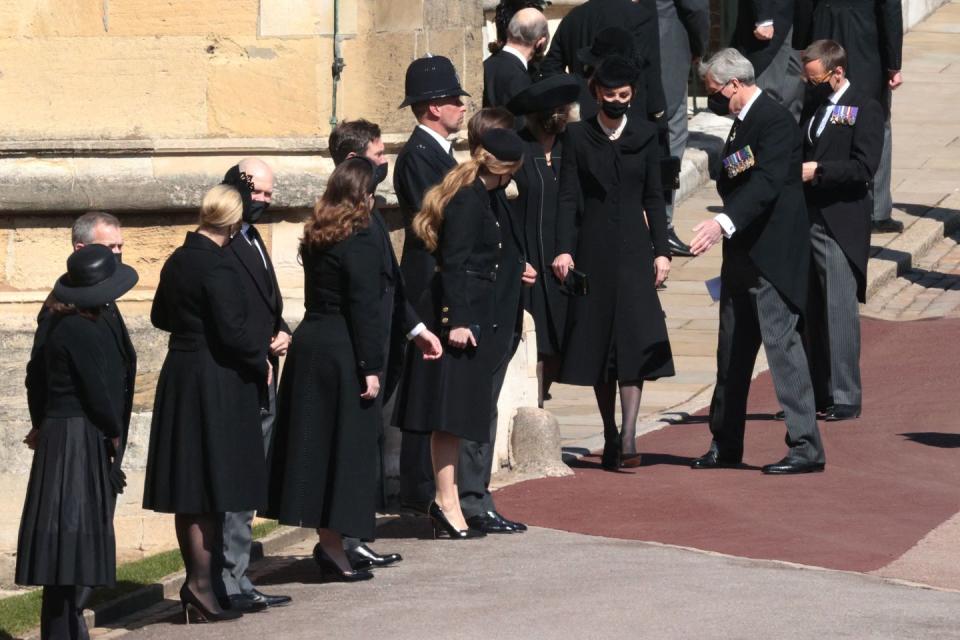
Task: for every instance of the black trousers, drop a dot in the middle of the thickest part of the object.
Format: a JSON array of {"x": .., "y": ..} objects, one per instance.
[{"x": 61, "y": 614}]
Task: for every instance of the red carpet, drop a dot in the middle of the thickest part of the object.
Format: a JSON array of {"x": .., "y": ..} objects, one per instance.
[{"x": 891, "y": 476}]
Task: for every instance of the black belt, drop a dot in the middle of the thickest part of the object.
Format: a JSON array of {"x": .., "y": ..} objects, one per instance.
[
  {"x": 186, "y": 342},
  {"x": 320, "y": 309}
]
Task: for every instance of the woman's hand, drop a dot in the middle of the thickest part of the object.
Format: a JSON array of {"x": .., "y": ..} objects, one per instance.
[
  {"x": 460, "y": 337},
  {"x": 562, "y": 265},
  {"x": 116, "y": 446},
  {"x": 373, "y": 387},
  {"x": 661, "y": 265},
  {"x": 31, "y": 439},
  {"x": 529, "y": 276},
  {"x": 269, "y": 373}
]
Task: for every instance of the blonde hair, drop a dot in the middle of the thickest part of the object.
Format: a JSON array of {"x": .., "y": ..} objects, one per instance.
[
  {"x": 426, "y": 224},
  {"x": 221, "y": 207}
]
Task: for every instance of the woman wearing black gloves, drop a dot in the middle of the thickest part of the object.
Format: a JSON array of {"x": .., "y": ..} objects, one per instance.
[
  {"x": 324, "y": 459},
  {"x": 66, "y": 531},
  {"x": 612, "y": 227},
  {"x": 206, "y": 447},
  {"x": 451, "y": 397}
]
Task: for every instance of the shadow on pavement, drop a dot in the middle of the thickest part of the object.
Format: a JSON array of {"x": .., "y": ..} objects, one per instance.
[{"x": 935, "y": 439}]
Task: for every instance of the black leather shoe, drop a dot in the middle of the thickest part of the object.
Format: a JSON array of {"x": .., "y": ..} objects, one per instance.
[
  {"x": 488, "y": 523},
  {"x": 519, "y": 527},
  {"x": 269, "y": 601},
  {"x": 363, "y": 557},
  {"x": 713, "y": 460},
  {"x": 245, "y": 603},
  {"x": 887, "y": 226},
  {"x": 792, "y": 465},
  {"x": 840, "y": 412},
  {"x": 677, "y": 246}
]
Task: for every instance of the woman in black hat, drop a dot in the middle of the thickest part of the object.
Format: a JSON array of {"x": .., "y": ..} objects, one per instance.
[
  {"x": 66, "y": 531},
  {"x": 547, "y": 105},
  {"x": 451, "y": 397},
  {"x": 612, "y": 227},
  {"x": 206, "y": 447},
  {"x": 325, "y": 453}
]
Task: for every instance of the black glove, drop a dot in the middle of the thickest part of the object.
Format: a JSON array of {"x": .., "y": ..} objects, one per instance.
[{"x": 118, "y": 479}]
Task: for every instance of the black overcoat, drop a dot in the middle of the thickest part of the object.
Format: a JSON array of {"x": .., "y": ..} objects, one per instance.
[
  {"x": 454, "y": 394},
  {"x": 504, "y": 76},
  {"x": 539, "y": 190},
  {"x": 324, "y": 460},
  {"x": 749, "y": 12},
  {"x": 206, "y": 445},
  {"x": 847, "y": 156},
  {"x": 508, "y": 292},
  {"x": 421, "y": 164},
  {"x": 872, "y": 33},
  {"x": 765, "y": 202},
  {"x": 605, "y": 189}
]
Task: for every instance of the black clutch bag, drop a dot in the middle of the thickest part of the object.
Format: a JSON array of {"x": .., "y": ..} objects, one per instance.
[
  {"x": 575, "y": 284},
  {"x": 670, "y": 173}
]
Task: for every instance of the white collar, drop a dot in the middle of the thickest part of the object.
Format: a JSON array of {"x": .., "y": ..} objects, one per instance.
[
  {"x": 507, "y": 48},
  {"x": 443, "y": 142},
  {"x": 613, "y": 133},
  {"x": 743, "y": 112},
  {"x": 836, "y": 95}
]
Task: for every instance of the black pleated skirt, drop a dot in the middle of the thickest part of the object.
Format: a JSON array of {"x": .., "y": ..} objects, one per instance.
[{"x": 66, "y": 531}]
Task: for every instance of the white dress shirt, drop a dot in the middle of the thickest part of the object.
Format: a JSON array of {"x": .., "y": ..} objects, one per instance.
[
  {"x": 244, "y": 231},
  {"x": 443, "y": 142},
  {"x": 723, "y": 219},
  {"x": 520, "y": 56},
  {"x": 834, "y": 99}
]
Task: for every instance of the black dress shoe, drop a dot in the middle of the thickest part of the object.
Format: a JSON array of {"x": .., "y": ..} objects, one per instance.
[
  {"x": 677, "y": 246},
  {"x": 887, "y": 226},
  {"x": 363, "y": 557},
  {"x": 330, "y": 570},
  {"x": 245, "y": 603},
  {"x": 792, "y": 465},
  {"x": 840, "y": 412},
  {"x": 488, "y": 523},
  {"x": 519, "y": 527},
  {"x": 270, "y": 601},
  {"x": 713, "y": 460}
]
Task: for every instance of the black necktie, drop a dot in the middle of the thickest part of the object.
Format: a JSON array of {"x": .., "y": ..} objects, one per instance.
[
  {"x": 257, "y": 246},
  {"x": 733, "y": 132},
  {"x": 451, "y": 152}
]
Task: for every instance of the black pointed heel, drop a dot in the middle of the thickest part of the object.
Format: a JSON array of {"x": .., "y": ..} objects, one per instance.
[
  {"x": 330, "y": 569},
  {"x": 441, "y": 525},
  {"x": 189, "y": 602},
  {"x": 610, "y": 460}
]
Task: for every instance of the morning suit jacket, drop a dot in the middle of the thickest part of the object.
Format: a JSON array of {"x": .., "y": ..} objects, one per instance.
[
  {"x": 765, "y": 203},
  {"x": 421, "y": 164},
  {"x": 872, "y": 33},
  {"x": 504, "y": 76},
  {"x": 578, "y": 29},
  {"x": 749, "y": 12},
  {"x": 260, "y": 288},
  {"x": 684, "y": 33},
  {"x": 840, "y": 194}
]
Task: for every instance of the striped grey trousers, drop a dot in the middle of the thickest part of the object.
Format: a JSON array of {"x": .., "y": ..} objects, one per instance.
[{"x": 882, "y": 181}]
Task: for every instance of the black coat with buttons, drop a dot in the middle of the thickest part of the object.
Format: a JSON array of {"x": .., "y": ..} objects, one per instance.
[
  {"x": 453, "y": 394},
  {"x": 611, "y": 219}
]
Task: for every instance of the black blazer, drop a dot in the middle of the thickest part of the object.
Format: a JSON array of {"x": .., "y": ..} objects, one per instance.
[
  {"x": 421, "y": 164},
  {"x": 749, "y": 13},
  {"x": 504, "y": 76},
  {"x": 260, "y": 288},
  {"x": 578, "y": 29},
  {"x": 847, "y": 156},
  {"x": 765, "y": 202}
]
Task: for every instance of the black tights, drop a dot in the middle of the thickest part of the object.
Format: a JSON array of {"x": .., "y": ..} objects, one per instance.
[
  {"x": 196, "y": 534},
  {"x": 606, "y": 393},
  {"x": 548, "y": 370},
  {"x": 61, "y": 614}
]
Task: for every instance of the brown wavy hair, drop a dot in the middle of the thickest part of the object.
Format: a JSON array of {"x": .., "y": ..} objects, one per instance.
[
  {"x": 343, "y": 208},
  {"x": 426, "y": 224}
]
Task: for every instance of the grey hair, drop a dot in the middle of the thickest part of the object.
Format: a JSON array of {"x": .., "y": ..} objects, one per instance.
[
  {"x": 727, "y": 65},
  {"x": 527, "y": 31},
  {"x": 82, "y": 232}
]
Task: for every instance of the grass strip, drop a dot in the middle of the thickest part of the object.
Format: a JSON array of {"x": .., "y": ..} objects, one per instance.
[{"x": 21, "y": 613}]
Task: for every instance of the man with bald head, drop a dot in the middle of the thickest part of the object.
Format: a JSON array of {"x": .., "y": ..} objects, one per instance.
[
  {"x": 254, "y": 179},
  {"x": 506, "y": 73}
]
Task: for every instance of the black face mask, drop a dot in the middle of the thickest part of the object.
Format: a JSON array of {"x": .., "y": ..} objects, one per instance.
[
  {"x": 255, "y": 211},
  {"x": 614, "y": 108},
  {"x": 718, "y": 103},
  {"x": 817, "y": 94},
  {"x": 380, "y": 174}
]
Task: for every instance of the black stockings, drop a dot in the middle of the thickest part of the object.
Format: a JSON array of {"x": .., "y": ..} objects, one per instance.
[
  {"x": 61, "y": 614},
  {"x": 196, "y": 534},
  {"x": 548, "y": 370},
  {"x": 606, "y": 393}
]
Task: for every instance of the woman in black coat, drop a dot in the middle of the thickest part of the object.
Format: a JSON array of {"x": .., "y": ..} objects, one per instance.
[
  {"x": 66, "y": 532},
  {"x": 206, "y": 447},
  {"x": 547, "y": 106},
  {"x": 323, "y": 464},
  {"x": 451, "y": 398},
  {"x": 612, "y": 227}
]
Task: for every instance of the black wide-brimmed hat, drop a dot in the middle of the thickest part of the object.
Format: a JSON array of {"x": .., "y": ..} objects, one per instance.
[
  {"x": 504, "y": 144},
  {"x": 549, "y": 93},
  {"x": 431, "y": 78},
  {"x": 610, "y": 41},
  {"x": 94, "y": 277},
  {"x": 616, "y": 71}
]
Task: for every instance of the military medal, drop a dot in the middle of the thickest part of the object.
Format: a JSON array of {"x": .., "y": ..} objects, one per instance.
[
  {"x": 844, "y": 115},
  {"x": 739, "y": 161}
]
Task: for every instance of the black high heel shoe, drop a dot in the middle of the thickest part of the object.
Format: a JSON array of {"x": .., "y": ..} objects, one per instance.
[
  {"x": 190, "y": 602},
  {"x": 329, "y": 568},
  {"x": 442, "y": 525},
  {"x": 610, "y": 460}
]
